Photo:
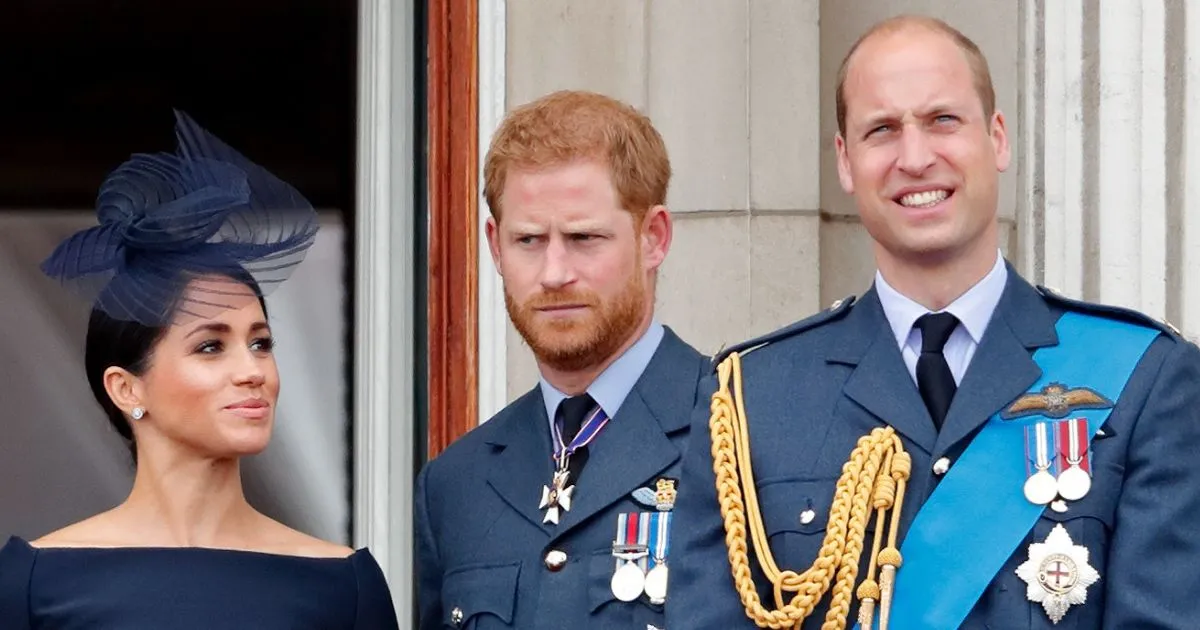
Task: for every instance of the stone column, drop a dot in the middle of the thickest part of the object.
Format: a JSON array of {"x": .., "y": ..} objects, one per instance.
[
  {"x": 1105, "y": 153},
  {"x": 1183, "y": 177}
]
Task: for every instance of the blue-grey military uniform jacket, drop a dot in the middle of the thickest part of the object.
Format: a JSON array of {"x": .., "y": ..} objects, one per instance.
[
  {"x": 815, "y": 388},
  {"x": 481, "y": 544}
]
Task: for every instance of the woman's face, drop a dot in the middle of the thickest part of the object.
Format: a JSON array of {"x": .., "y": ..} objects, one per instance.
[{"x": 211, "y": 384}]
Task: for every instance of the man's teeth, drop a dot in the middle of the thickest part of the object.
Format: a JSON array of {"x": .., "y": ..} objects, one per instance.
[{"x": 923, "y": 199}]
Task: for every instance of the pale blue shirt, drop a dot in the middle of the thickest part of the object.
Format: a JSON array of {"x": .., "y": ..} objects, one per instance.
[
  {"x": 616, "y": 381},
  {"x": 973, "y": 309}
]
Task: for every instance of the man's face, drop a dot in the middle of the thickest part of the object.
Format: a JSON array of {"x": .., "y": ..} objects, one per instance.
[
  {"x": 577, "y": 270},
  {"x": 918, "y": 153}
]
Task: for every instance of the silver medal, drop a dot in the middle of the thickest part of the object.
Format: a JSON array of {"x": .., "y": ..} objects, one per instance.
[
  {"x": 656, "y": 583},
  {"x": 628, "y": 582},
  {"x": 1041, "y": 488},
  {"x": 1074, "y": 483}
]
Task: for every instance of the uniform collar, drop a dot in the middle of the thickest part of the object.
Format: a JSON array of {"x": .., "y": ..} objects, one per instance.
[
  {"x": 616, "y": 381},
  {"x": 973, "y": 309}
]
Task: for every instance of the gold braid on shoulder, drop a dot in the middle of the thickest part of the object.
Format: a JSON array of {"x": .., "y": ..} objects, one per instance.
[{"x": 873, "y": 478}]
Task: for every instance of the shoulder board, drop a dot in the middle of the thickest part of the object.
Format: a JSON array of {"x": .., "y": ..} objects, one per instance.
[
  {"x": 1106, "y": 310},
  {"x": 833, "y": 313}
]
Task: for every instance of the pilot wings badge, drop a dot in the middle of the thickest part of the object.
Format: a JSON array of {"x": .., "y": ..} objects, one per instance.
[{"x": 1055, "y": 401}]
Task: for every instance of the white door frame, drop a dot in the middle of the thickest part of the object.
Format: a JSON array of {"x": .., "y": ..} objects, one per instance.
[
  {"x": 385, "y": 293},
  {"x": 493, "y": 318}
]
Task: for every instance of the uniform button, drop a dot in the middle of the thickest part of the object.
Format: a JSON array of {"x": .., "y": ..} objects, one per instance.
[
  {"x": 941, "y": 466},
  {"x": 807, "y": 517},
  {"x": 456, "y": 617},
  {"x": 555, "y": 559}
]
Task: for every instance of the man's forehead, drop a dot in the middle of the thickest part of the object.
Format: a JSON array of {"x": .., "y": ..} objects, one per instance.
[
  {"x": 903, "y": 48},
  {"x": 578, "y": 171},
  {"x": 886, "y": 65},
  {"x": 560, "y": 220},
  {"x": 908, "y": 87}
]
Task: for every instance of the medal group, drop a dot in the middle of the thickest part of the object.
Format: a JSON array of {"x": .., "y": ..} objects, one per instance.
[
  {"x": 641, "y": 545},
  {"x": 1058, "y": 462},
  {"x": 642, "y": 539}
]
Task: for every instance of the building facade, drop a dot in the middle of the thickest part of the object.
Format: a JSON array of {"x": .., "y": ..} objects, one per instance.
[{"x": 1102, "y": 107}]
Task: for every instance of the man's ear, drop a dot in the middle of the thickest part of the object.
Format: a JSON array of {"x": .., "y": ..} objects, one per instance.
[
  {"x": 492, "y": 230},
  {"x": 656, "y": 234}
]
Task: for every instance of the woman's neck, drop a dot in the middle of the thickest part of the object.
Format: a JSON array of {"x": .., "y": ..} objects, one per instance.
[{"x": 182, "y": 500}]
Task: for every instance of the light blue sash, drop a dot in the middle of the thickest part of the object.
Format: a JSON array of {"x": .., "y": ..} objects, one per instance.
[{"x": 974, "y": 520}]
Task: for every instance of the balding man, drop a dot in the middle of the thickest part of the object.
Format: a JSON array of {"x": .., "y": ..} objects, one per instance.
[{"x": 956, "y": 448}]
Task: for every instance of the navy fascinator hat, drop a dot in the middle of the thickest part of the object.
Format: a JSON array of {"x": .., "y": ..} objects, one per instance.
[{"x": 186, "y": 233}]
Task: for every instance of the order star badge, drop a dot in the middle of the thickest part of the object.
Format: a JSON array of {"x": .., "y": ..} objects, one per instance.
[{"x": 1057, "y": 573}]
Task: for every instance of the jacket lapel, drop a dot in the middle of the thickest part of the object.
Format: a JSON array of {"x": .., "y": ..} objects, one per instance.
[
  {"x": 880, "y": 383},
  {"x": 522, "y": 463},
  {"x": 636, "y": 445},
  {"x": 1003, "y": 367}
]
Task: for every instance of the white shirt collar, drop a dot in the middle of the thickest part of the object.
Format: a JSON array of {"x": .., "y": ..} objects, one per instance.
[{"x": 973, "y": 309}]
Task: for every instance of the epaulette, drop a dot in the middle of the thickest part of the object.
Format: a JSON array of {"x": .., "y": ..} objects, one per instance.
[
  {"x": 1107, "y": 310},
  {"x": 833, "y": 313}
]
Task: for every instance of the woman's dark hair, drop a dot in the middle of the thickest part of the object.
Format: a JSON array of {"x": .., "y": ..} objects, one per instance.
[{"x": 129, "y": 345}]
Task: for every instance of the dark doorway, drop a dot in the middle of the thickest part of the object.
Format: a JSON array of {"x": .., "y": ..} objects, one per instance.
[{"x": 85, "y": 84}]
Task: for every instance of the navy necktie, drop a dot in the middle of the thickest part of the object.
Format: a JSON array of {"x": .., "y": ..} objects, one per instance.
[{"x": 934, "y": 379}]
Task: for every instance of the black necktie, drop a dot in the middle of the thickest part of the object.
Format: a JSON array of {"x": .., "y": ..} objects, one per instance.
[
  {"x": 571, "y": 413},
  {"x": 934, "y": 378}
]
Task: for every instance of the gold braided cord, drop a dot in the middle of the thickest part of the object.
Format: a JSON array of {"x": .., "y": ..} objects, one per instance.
[{"x": 873, "y": 478}]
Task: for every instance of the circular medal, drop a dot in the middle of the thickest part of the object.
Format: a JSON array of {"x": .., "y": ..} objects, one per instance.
[
  {"x": 627, "y": 582},
  {"x": 1074, "y": 483},
  {"x": 1041, "y": 488},
  {"x": 656, "y": 583}
]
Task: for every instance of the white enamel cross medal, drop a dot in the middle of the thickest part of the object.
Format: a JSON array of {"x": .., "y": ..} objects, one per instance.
[
  {"x": 556, "y": 497},
  {"x": 1057, "y": 573}
]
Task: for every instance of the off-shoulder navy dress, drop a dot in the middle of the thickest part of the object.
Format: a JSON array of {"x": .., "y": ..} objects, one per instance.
[{"x": 188, "y": 589}]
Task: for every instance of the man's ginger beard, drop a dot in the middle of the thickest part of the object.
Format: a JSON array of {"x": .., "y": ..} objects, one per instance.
[{"x": 577, "y": 343}]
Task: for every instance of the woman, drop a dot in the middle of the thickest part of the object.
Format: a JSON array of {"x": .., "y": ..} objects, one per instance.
[{"x": 178, "y": 354}]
